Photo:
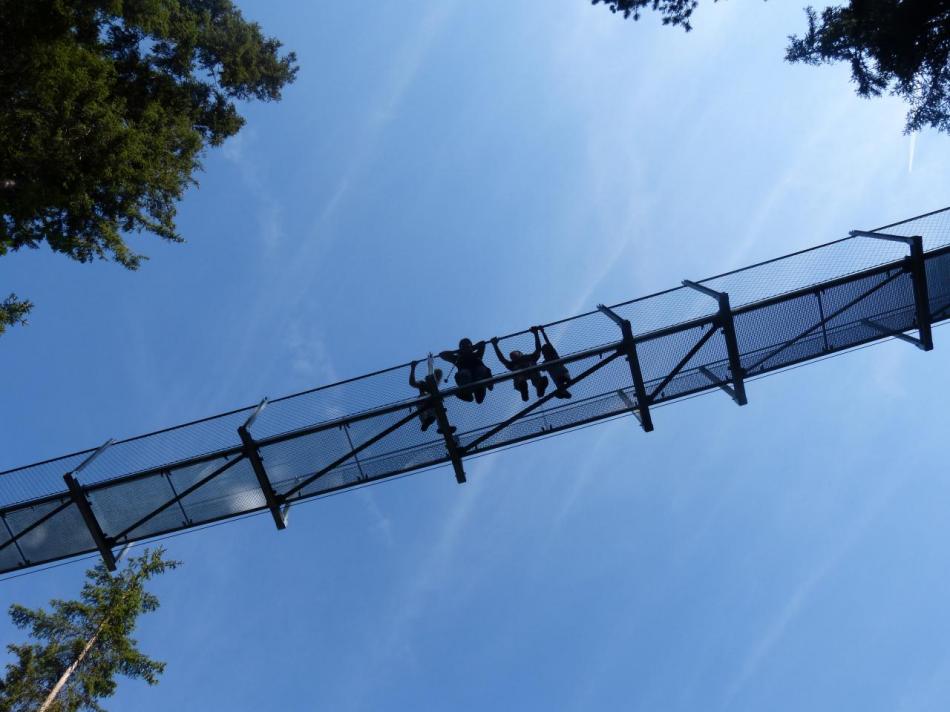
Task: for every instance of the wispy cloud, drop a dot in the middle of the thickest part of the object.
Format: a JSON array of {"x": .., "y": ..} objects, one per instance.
[
  {"x": 383, "y": 522},
  {"x": 283, "y": 297},
  {"x": 889, "y": 368},
  {"x": 429, "y": 578},
  {"x": 404, "y": 68},
  {"x": 309, "y": 355},
  {"x": 270, "y": 217},
  {"x": 814, "y": 579}
]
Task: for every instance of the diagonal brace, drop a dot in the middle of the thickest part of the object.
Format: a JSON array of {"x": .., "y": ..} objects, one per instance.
[
  {"x": 682, "y": 364},
  {"x": 177, "y": 499},
  {"x": 445, "y": 428},
  {"x": 827, "y": 319},
  {"x": 356, "y": 458},
  {"x": 884, "y": 331},
  {"x": 491, "y": 432},
  {"x": 728, "y": 325},
  {"x": 15, "y": 538},
  {"x": 629, "y": 347},
  {"x": 711, "y": 377},
  {"x": 630, "y": 403},
  {"x": 352, "y": 453}
]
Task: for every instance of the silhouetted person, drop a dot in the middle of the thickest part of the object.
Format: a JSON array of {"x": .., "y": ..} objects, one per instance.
[
  {"x": 558, "y": 371},
  {"x": 467, "y": 360},
  {"x": 519, "y": 361},
  {"x": 426, "y": 412}
]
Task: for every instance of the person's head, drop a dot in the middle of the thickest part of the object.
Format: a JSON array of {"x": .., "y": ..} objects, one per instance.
[
  {"x": 516, "y": 355},
  {"x": 548, "y": 352},
  {"x": 437, "y": 374},
  {"x": 465, "y": 345}
]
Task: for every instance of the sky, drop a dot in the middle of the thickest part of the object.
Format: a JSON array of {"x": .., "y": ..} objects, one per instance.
[{"x": 442, "y": 169}]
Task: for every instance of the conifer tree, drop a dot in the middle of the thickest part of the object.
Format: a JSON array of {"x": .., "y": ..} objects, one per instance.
[
  {"x": 107, "y": 108},
  {"x": 81, "y": 646}
]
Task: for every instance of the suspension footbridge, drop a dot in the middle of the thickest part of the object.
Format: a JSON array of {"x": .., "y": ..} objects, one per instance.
[{"x": 709, "y": 334}]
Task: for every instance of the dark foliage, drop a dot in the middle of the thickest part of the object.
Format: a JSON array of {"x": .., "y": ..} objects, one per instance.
[
  {"x": 674, "y": 12},
  {"x": 13, "y": 311},
  {"x": 107, "y": 106},
  {"x": 901, "y": 47}
]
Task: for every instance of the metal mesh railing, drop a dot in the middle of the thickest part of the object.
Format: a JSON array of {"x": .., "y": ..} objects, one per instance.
[{"x": 801, "y": 306}]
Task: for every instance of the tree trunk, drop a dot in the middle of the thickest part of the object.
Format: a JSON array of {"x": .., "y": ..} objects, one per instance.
[{"x": 71, "y": 669}]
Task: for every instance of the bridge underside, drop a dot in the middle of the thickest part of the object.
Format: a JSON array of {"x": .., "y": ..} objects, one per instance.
[{"x": 707, "y": 335}]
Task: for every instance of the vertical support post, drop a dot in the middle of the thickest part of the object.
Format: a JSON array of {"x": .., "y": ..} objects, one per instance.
[
  {"x": 257, "y": 464},
  {"x": 728, "y": 326},
  {"x": 359, "y": 465},
  {"x": 85, "y": 509},
  {"x": 917, "y": 268},
  {"x": 918, "y": 272},
  {"x": 629, "y": 347},
  {"x": 185, "y": 519},
  {"x": 92, "y": 524},
  {"x": 445, "y": 428},
  {"x": 821, "y": 317}
]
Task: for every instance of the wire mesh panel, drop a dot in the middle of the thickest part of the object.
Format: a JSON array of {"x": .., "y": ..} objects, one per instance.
[
  {"x": 47, "y": 531},
  {"x": 784, "y": 311}
]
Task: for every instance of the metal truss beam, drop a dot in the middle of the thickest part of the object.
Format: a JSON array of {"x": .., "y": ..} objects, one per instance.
[
  {"x": 252, "y": 453},
  {"x": 918, "y": 272},
  {"x": 445, "y": 428},
  {"x": 629, "y": 347},
  {"x": 728, "y": 325},
  {"x": 92, "y": 524},
  {"x": 78, "y": 496}
]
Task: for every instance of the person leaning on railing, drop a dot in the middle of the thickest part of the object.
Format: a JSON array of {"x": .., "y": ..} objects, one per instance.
[
  {"x": 520, "y": 361},
  {"x": 467, "y": 359},
  {"x": 558, "y": 371}
]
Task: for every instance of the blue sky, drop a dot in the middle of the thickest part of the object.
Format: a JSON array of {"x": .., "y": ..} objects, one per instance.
[{"x": 444, "y": 169}]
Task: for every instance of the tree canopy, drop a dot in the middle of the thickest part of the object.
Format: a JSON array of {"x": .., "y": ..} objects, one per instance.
[
  {"x": 900, "y": 47},
  {"x": 87, "y": 641},
  {"x": 108, "y": 106}
]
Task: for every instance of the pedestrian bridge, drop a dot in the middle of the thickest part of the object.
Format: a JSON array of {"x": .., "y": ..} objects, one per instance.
[{"x": 710, "y": 334}]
